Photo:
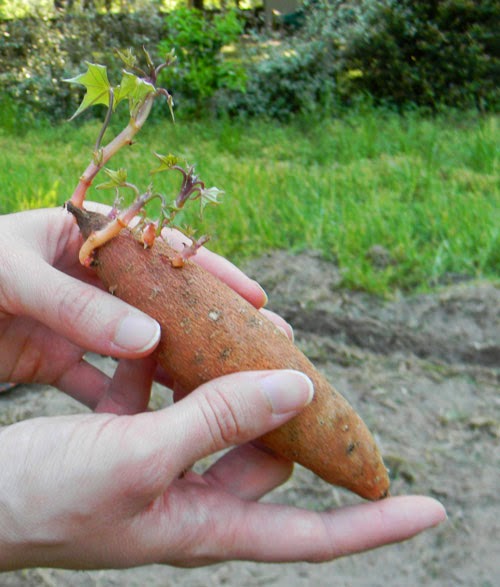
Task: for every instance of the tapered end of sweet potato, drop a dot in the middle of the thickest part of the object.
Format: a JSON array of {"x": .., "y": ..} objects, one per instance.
[{"x": 331, "y": 439}]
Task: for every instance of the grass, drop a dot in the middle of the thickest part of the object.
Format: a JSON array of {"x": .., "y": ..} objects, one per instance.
[{"x": 399, "y": 202}]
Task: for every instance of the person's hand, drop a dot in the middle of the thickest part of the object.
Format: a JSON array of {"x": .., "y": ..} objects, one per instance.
[
  {"x": 100, "y": 490},
  {"x": 52, "y": 311}
]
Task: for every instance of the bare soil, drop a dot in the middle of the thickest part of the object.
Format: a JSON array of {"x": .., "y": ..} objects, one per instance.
[{"x": 424, "y": 373}]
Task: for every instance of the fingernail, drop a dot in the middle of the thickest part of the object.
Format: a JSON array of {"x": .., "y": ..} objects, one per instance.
[
  {"x": 288, "y": 333},
  {"x": 265, "y": 297},
  {"x": 287, "y": 391},
  {"x": 137, "y": 333}
]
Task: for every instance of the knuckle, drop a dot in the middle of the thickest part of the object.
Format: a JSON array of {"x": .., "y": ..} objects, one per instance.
[
  {"x": 220, "y": 418},
  {"x": 10, "y": 296},
  {"x": 76, "y": 304}
]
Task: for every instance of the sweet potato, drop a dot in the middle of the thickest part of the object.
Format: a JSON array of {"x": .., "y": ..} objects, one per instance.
[{"x": 208, "y": 330}]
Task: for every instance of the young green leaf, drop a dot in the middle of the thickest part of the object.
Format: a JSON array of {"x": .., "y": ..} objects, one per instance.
[
  {"x": 166, "y": 162},
  {"x": 149, "y": 61},
  {"x": 209, "y": 196},
  {"x": 96, "y": 82},
  {"x": 135, "y": 89},
  {"x": 117, "y": 179},
  {"x": 128, "y": 57}
]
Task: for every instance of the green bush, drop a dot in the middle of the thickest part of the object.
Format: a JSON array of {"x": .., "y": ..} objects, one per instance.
[
  {"x": 294, "y": 79},
  {"x": 429, "y": 53},
  {"x": 298, "y": 73},
  {"x": 37, "y": 53},
  {"x": 201, "y": 69}
]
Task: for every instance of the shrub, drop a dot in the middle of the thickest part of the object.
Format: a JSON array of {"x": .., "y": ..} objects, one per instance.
[
  {"x": 37, "y": 53},
  {"x": 201, "y": 69},
  {"x": 429, "y": 53},
  {"x": 398, "y": 52},
  {"x": 298, "y": 73},
  {"x": 292, "y": 80},
  {"x": 403, "y": 53}
]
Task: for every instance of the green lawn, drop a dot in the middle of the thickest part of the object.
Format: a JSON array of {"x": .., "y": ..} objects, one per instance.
[{"x": 399, "y": 202}]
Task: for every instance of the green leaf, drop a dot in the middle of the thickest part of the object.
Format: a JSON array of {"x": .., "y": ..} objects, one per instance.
[
  {"x": 166, "y": 162},
  {"x": 128, "y": 57},
  {"x": 117, "y": 179},
  {"x": 170, "y": 102},
  {"x": 135, "y": 89},
  {"x": 210, "y": 196},
  {"x": 96, "y": 82},
  {"x": 149, "y": 61}
]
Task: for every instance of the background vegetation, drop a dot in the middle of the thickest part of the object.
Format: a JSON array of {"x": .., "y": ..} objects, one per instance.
[
  {"x": 366, "y": 129},
  {"x": 430, "y": 54}
]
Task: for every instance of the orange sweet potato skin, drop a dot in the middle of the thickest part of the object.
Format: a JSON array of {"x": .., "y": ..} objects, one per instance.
[{"x": 208, "y": 330}]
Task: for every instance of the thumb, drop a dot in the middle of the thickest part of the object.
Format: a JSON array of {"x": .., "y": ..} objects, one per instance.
[
  {"x": 86, "y": 315},
  {"x": 232, "y": 410}
]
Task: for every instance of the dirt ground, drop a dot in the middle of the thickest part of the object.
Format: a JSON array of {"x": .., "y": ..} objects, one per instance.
[{"x": 424, "y": 373}]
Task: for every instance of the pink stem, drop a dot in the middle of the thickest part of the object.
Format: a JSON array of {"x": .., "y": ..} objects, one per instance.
[
  {"x": 99, "y": 238},
  {"x": 122, "y": 139}
]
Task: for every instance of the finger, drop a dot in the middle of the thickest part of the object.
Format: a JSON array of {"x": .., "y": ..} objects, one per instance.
[
  {"x": 275, "y": 533},
  {"x": 97, "y": 207},
  {"x": 84, "y": 383},
  {"x": 163, "y": 377},
  {"x": 129, "y": 390},
  {"x": 222, "y": 269},
  {"x": 84, "y": 314},
  {"x": 279, "y": 322},
  {"x": 230, "y": 410},
  {"x": 369, "y": 525},
  {"x": 179, "y": 392},
  {"x": 249, "y": 472}
]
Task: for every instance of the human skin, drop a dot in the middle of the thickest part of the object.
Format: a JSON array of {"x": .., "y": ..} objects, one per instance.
[{"x": 115, "y": 489}]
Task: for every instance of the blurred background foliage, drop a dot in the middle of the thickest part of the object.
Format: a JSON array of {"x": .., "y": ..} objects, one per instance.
[
  {"x": 364, "y": 129},
  {"x": 328, "y": 54}
]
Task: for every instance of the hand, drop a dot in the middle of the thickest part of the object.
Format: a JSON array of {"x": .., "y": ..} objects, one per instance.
[
  {"x": 100, "y": 490},
  {"x": 52, "y": 311}
]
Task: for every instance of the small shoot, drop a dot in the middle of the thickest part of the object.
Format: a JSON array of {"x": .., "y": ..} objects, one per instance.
[
  {"x": 138, "y": 88},
  {"x": 139, "y": 91}
]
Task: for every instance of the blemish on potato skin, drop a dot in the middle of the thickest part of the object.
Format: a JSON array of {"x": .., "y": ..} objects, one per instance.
[
  {"x": 351, "y": 447},
  {"x": 185, "y": 324},
  {"x": 224, "y": 354},
  {"x": 254, "y": 322},
  {"x": 214, "y": 315}
]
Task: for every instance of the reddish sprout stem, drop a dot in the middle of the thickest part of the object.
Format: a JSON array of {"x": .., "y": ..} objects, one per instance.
[
  {"x": 100, "y": 237},
  {"x": 121, "y": 140}
]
